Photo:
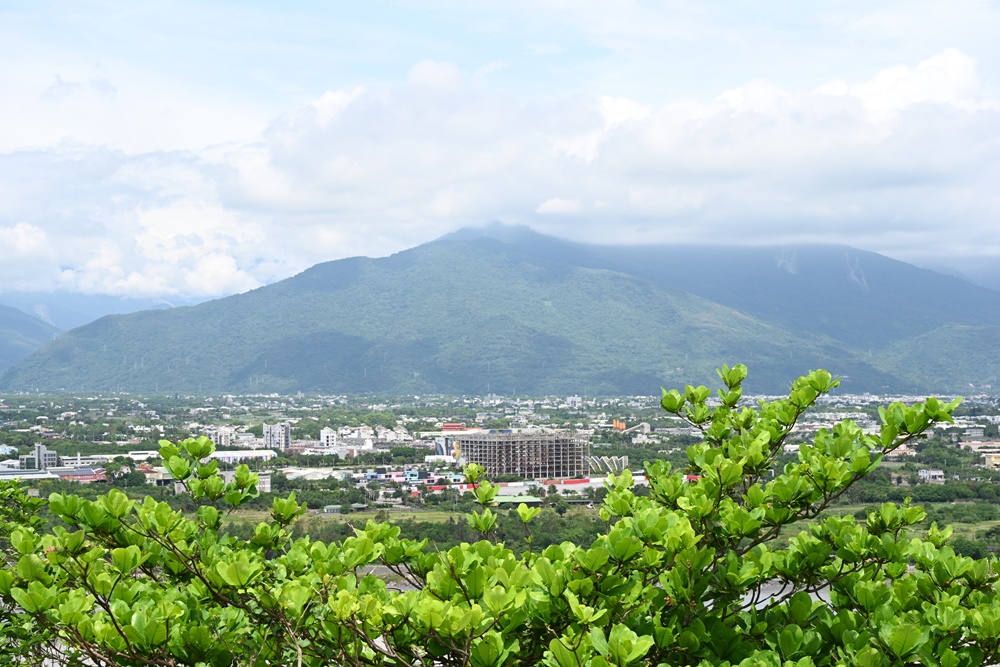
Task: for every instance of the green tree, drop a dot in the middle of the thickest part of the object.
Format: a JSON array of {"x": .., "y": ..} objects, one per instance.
[
  {"x": 690, "y": 574},
  {"x": 133, "y": 478},
  {"x": 306, "y": 429}
]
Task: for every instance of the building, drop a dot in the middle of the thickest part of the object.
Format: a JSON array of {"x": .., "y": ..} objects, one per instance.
[
  {"x": 156, "y": 475},
  {"x": 900, "y": 452},
  {"x": 328, "y": 437},
  {"x": 242, "y": 455},
  {"x": 100, "y": 459},
  {"x": 80, "y": 475},
  {"x": 533, "y": 454},
  {"x": 991, "y": 459},
  {"x": 228, "y": 476},
  {"x": 263, "y": 479},
  {"x": 931, "y": 476},
  {"x": 40, "y": 459},
  {"x": 278, "y": 436},
  {"x": 607, "y": 465},
  {"x": 222, "y": 436},
  {"x": 27, "y": 475}
]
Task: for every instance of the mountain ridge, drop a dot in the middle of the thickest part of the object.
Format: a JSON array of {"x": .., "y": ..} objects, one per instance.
[
  {"x": 528, "y": 313},
  {"x": 20, "y": 335}
]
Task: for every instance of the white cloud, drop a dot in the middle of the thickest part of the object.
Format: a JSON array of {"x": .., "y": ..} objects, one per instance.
[
  {"x": 758, "y": 97},
  {"x": 618, "y": 110},
  {"x": 216, "y": 273},
  {"x": 559, "y": 206},
  {"x": 829, "y": 165},
  {"x": 949, "y": 78},
  {"x": 332, "y": 103},
  {"x": 483, "y": 72},
  {"x": 61, "y": 89},
  {"x": 881, "y": 161},
  {"x": 26, "y": 257},
  {"x": 23, "y": 241},
  {"x": 55, "y": 99}
]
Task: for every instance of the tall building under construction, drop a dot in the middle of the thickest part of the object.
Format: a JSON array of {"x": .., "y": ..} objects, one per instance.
[{"x": 533, "y": 454}]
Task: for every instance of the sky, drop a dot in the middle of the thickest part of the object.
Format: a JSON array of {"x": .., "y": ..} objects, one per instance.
[{"x": 197, "y": 149}]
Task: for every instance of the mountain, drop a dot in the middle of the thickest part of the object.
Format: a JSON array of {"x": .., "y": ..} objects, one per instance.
[
  {"x": 506, "y": 310},
  {"x": 20, "y": 335},
  {"x": 68, "y": 310}
]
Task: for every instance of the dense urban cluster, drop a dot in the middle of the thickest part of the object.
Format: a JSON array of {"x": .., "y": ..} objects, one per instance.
[{"x": 351, "y": 455}]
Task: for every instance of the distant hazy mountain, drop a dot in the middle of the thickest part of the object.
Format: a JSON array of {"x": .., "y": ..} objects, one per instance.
[
  {"x": 68, "y": 310},
  {"x": 20, "y": 335},
  {"x": 506, "y": 310},
  {"x": 979, "y": 271}
]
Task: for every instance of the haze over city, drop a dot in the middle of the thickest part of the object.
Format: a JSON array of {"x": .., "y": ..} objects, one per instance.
[{"x": 185, "y": 150}]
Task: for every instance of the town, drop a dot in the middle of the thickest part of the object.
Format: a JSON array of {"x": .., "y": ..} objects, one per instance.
[{"x": 409, "y": 453}]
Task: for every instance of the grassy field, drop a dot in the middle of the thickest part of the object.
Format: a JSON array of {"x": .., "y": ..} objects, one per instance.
[
  {"x": 960, "y": 529},
  {"x": 255, "y": 516},
  {"x": 396, "y": 515},
  {"x": 967, "y": 530}
]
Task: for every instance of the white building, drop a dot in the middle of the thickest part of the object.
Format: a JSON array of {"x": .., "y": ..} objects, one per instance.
[
  {"x": 932, "y": 476},
  {"x": 328, "y": 437},
  {"x": 278, "y": 436},
  {"x": 221, "y": 436},
  {"x": 263, "y": 483},
  {"x": 40, "y": 459},
  {"x": 240, "y": 455}
]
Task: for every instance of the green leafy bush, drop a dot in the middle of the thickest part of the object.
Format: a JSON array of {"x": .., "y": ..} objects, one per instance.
[{"x": 689, "y": 574}]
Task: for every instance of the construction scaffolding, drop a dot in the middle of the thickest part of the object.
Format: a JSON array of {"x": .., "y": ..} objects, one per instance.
[{"x": 532, "y": 454}]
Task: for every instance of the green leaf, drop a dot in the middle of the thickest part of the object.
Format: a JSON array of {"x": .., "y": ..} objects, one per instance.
[
  {"x": 179, "y": 469},
  {"x": 527, "y": 513},
  {"x": 563, "y": 656},
  {"x": 689, "y": 641},
  {"x": 904, "y": 639},
  {"x": 126, "y": 560},
  {"x": 117, "y": 504},
  {"x": 31, "y": 567},
  {"x": 238, "y": 572},
  {"x": 800, "y": 608},
  {"x": 35, "y": 598},
  {"x": 672, "y": 401},
  {"x": 790, "y": 640},
  {"x": 598, "y": 641},
  {"x": 198, "y": 448}
]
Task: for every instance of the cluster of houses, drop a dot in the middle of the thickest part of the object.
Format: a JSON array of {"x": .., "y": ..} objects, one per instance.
[
  {"x": 43, "y": 463},
  {"x": 344, "y": 442}
]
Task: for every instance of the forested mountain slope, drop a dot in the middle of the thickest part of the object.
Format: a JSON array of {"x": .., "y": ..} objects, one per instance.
[
  {"x": 510, "y": 311},
  {"x": 20, "y": 335}
]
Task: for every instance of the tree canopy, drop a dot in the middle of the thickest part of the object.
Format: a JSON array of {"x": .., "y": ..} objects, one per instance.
[{"x": 693, "y": 573}]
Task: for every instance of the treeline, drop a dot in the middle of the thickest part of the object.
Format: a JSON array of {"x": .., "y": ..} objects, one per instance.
[
  {"x": 547, "y": 528},
  {"x": 881, "y": 490}
]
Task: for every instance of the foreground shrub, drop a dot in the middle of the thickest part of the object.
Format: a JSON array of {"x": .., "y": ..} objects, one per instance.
[{"x": 688, "y": 575}]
